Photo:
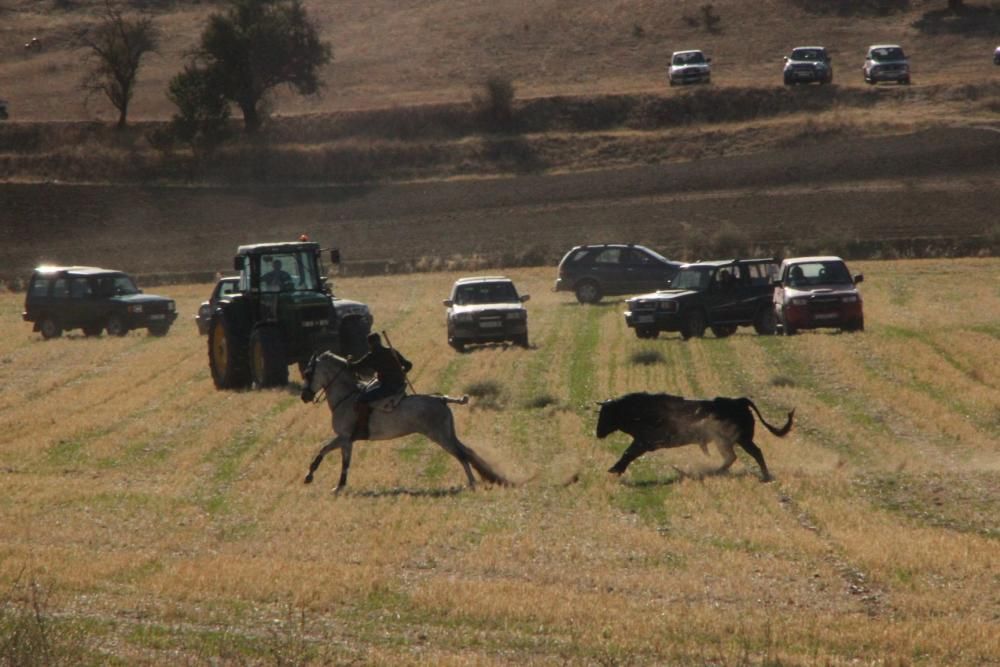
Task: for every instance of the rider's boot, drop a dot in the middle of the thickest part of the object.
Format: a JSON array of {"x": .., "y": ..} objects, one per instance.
[{"x": 362, "y": 411}]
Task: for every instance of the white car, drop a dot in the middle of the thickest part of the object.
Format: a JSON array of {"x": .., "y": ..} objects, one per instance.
[
  {"x": 486, "y": 309},
  {"x": 689, "y": 67},
  {"x": 886, "y": 62}
]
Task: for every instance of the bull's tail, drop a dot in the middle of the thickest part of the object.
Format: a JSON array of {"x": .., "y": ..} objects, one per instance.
[
  {"x": 485, "y": 470},
  {"x": 780, "y": 432}
]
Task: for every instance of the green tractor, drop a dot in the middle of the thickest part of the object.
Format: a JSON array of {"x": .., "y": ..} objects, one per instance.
[{"x": 282, "y": 313}]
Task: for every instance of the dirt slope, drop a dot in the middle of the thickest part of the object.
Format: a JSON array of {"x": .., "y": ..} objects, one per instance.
[{"x": 866, "y": 190}]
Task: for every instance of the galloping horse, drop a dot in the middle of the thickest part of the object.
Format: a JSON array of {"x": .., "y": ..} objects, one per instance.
[{"x": 425, "y": 414}]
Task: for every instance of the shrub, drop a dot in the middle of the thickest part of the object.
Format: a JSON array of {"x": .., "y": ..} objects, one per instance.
[{"x": 495, "y": 105}]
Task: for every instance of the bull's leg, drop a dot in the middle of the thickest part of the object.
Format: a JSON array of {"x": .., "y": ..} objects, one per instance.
[
  {"x": 331, "y": 445},
  {"x": 728, "y": 455},
  {"x": 634, "y": 451},
  {"x": 345, "y": 463},
  {"x": 753, "y": 450}
]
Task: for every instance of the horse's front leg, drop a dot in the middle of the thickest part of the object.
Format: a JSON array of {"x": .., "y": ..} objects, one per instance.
[
  {"x": 332, "y": 444},
  {"x": 345, "y": 463}
]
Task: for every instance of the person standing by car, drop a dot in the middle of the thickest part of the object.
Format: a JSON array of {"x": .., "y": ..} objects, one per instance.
[{"x": 390, "y": 368}]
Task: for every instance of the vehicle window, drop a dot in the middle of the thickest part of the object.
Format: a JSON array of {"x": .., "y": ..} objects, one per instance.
[
  {"x": 819, "y": 273},
  {"x": 79, "y": 288},
  {"x": 228, "y": 287},
  {"x": 288, "y": 272},
  {"x": 117, "y": 285},
  {"x": 633, "y": 256},
  {"x": 60, "y": 288},
  {"x": 895, "y": 53},
  {"x": 475, "y": 293},
  {"x": 40, "y": 287},
  {"x": 609, "y": 256},
  {"x": 760, "y": 274},
  {"x": 807, "y": 54},
  {"x": 689, "y": 58},
  {"x": 578, "y": 256},
  {"x": 693, "y": 279}
]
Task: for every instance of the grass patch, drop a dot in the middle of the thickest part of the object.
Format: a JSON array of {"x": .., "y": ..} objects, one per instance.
[{"x": 31, "y": 635}]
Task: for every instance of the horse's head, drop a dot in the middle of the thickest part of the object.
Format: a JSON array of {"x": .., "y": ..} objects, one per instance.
[{"x": 321, "y": 372}]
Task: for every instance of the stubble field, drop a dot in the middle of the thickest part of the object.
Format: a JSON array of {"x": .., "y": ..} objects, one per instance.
[{"x": 147, "y": 518}]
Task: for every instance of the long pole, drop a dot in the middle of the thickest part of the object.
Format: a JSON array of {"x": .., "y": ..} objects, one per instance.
[{"x": 398, "y": 363}]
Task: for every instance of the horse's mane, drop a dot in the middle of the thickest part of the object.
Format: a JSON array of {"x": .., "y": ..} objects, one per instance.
[{"x": 333, "y": 357}]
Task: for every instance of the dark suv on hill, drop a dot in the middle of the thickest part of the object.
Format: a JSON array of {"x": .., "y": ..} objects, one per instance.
[
  {"x": 594, "y": 271},
  {"x": 722, "y": 295},
  {"x": 82, "y": 297}
]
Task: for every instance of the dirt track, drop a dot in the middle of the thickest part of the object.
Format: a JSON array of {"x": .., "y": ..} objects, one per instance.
[{"x": 937, "y": 184}]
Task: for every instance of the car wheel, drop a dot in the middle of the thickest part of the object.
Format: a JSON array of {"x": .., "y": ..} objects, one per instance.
[
  {"x": 521, "y": 340},
  {"x": 50, "y": 328},
  {"x": 646, "y": 333},
  {"x": 159, "y": 329},
  {"x": 693, "y": 325},
  {"x": 786, "y": 328},
  {"x": 905, "y": 81},
  {"x": 227, "y": 354},
  {"x": 588, "y": 291},
  {"x": 268, "y": 362},
  {"x": 766, "y": 322},
  {"x": 458, "y": 345},
  {"x": 855, "y": 326},
  {"x": 93, "y": 330},
  {"x": 723, "y": 331},
  {"x": 116, "y": 326}
]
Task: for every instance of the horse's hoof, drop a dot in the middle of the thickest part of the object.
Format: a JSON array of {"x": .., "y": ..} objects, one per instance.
[{"x": 308, "y": 479}]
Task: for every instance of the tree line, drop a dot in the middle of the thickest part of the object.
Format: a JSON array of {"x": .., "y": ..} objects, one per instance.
[{"x": 244, "y": 52}]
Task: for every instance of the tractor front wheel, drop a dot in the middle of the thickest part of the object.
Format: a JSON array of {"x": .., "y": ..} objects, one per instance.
[{"x": 227, "y": 354}]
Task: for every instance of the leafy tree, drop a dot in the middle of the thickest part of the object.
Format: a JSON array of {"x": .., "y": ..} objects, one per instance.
[
  {"x": 257, "y": 45},
  {"x": 117, "y": 45},
  {"x": 202, "y": 118}
]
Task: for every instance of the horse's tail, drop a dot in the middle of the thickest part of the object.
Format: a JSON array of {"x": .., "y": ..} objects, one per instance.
[
  {"x": 485, "y": 470},
  {"x": 444, "y": 398},
  {"x": 780, "y": 432}
]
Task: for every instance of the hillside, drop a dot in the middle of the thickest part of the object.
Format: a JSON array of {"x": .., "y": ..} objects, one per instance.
[{"x": 390, "y": 53}]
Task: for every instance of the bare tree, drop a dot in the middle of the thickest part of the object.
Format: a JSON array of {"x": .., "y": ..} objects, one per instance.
[{"x": 117, "y": 45}]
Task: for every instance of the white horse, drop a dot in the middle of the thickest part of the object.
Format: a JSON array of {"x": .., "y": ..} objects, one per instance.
[{"x": 425, "y": 414}]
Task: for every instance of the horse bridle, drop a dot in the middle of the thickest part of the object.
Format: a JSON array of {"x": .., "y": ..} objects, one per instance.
[{"x": 321, "y": 394}]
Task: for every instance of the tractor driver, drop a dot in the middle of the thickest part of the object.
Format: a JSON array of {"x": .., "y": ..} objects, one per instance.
[
  {"x": 390, "y": 368},
  {"x": 276, "y": 279}
]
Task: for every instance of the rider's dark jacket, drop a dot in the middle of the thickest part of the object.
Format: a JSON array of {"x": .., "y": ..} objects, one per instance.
[{"x": 389, "y": 366}]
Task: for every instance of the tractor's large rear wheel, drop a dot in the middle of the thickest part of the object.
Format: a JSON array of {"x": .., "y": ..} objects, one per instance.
[
  {"x": 227, "y": 354},
  {"x": 268, "y": 361}
]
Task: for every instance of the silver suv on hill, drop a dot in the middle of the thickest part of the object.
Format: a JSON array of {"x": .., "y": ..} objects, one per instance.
[
  {"x": 689, "y": 67},
  {"x": 886, "y": 62},
  {"x": 807, "y": 64},
  {"x": 486, "y": 309}
]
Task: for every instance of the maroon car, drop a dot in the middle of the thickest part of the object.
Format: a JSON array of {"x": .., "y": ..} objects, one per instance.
[{"x": 817, "y": 292}]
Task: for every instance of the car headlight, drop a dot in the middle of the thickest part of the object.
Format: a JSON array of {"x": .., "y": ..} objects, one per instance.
[
  {"x": 516, "y": 315},
  {"x": 462, "y": 317},
  {"x": 171, "y": 306},
  {"x": 851, "y": 298},
  {"x": 667, "y": 306},
  {"x": 799, "y": 301},
  {"x": 135, "y": 308}
]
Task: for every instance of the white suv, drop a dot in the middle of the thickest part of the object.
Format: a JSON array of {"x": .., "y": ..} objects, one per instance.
[
  {"x": 886, "y": 62},
  {"x": 486, "y": 309},
  {"x": 689, "y": 67}
]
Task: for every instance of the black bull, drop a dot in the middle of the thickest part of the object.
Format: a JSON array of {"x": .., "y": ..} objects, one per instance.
[{"x": 657, "y": 421}]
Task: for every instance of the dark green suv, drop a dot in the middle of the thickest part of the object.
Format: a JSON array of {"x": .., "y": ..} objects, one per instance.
[
  {"x": 60, "y": 298},
  {"x": 722, "y": 295}
]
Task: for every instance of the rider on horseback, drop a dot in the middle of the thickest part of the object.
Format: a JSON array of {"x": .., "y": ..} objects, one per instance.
[{"x": 390, "y": 369}]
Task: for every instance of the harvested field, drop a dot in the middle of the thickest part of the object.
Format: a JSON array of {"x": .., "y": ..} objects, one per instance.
[{"x": 147, "y": 518}]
